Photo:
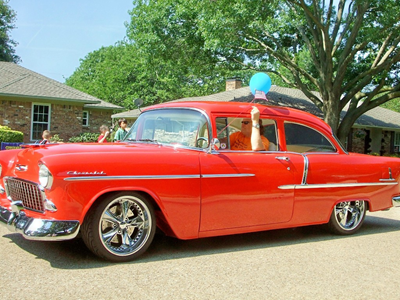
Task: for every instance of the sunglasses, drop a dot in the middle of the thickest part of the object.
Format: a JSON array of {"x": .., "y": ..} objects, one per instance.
[{"x": 245, "y": 122}]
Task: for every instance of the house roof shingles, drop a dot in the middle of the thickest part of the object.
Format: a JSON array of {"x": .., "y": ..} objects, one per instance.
[{"x": 17, "y": 81}]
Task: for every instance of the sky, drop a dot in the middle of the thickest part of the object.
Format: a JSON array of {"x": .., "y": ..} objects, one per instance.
[{"x": 53, "y": 35}]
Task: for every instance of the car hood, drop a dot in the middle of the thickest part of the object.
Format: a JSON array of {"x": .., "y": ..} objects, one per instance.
[{"x": 113, "y": 159}]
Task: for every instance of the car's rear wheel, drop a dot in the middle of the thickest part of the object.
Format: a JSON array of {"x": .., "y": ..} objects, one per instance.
[
  {"x": 120, "y": 227},
  {"x": 347, "y": 217}
]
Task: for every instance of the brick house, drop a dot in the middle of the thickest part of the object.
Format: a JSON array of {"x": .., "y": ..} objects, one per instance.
[
  {"x": 377, "y": 131},
  {"x": 31, "y": 103}
]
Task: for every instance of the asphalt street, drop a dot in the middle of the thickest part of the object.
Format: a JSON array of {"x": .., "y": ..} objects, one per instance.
[{"x": 300, "y": 263}]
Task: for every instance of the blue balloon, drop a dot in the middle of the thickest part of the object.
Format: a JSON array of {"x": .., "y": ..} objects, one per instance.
[{"x": 260, "y": 82}]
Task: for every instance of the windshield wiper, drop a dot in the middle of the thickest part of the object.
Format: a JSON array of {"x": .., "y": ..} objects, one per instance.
[
  {"x": 142, "y": 140},
  {"x": 148, "y": 140}
]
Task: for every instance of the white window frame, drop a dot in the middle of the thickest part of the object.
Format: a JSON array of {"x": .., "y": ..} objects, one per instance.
[
  {"x": 87, "y": 118},
  {"x": 396, "y": 141},
  {"x": 37, "y": 122}
]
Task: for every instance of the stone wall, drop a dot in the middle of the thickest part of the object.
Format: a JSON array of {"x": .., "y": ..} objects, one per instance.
[
  {"x": 361, "y": 142},
  {"x": 358, "y": 140},
  {"x": 386, "y": 148}
]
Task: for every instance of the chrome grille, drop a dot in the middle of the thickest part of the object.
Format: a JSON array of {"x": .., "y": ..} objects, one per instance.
[{"x": 27, "y": 192}]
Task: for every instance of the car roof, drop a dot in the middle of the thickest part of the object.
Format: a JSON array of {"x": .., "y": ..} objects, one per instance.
[{"x": 213, "y": 107}]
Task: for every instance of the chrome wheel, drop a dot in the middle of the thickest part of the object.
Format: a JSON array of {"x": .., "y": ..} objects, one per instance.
[
  {"x": 347, "y": 217},
  {"x": 125, "y": 226},
  {"x": 120, "y": 227}
]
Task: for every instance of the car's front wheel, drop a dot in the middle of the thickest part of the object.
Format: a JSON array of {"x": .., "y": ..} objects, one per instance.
[
  {"x": 120, "y": 227},
  {"x": 347, "y": 217}
]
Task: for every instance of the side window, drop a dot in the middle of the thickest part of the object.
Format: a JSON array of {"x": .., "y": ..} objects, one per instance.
[
  {"x": 300, "y": 138},
  {"x": 226, "y": 126}
]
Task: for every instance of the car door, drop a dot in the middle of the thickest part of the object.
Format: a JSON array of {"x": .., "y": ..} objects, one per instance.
[{"x": 241, "y": 188}]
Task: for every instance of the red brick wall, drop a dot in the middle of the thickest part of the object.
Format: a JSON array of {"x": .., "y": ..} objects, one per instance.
[
  {"x": 17, "y": 116},
  {"x": 96, "y": 119},
  {"x": 66, "y": 120}
]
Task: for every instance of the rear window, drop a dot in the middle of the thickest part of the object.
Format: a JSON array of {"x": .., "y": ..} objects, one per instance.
[{"x": 300, "y": 138}]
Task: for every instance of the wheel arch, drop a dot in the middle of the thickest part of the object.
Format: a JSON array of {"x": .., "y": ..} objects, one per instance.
[
  {"x": 348, "y": 216},
  {"x": 161, "y": 220},
  {"x": 365, "y": 199}
]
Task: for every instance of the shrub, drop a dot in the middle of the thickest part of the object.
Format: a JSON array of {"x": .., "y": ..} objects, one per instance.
[
  {"x": 85, "y": 138},
  {"x": 56, "y": 139},
  {"x": 10, "y": 136}
]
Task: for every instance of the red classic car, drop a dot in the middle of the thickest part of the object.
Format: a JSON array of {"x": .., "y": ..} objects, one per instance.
[{"x": 175, "y": 171}]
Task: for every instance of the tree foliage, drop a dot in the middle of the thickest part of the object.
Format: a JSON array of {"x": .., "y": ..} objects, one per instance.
[
  {"x": 162, "y": 59},
  {"x": 347, "y": 50},
  {"x": 7, "y": 19},
  {"x": 107, "y": 73},
  {"x": 349, "y": 53},
  {"x": 122, "y": 73}
]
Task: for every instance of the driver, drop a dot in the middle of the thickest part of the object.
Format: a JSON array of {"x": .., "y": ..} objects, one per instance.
[{"x": 251, "y": 135}]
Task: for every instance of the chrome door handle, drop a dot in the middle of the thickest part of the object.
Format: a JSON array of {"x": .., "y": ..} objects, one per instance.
[{"x": 285, "y": 158}]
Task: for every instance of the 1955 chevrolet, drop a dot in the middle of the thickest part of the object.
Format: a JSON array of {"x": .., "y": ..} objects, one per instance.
[{"x": 173, "y": 172}]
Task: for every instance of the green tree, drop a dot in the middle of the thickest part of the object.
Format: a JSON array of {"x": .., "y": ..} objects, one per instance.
[
  {"x": 7, "y": 19},
  {"x": 392, "y": 105},
  {"x": 123, "y": 72},
  {"x": 168, "y": 41},
  {"x": 349, "y": 53},
  {"x": 107, "y": 74},
  {"x": 161, "y": 59}
]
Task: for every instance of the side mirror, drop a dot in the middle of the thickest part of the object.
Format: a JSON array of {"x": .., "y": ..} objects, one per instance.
[
  {"x": 214, "y": 145},
  {"x": 138, "y": 102}
]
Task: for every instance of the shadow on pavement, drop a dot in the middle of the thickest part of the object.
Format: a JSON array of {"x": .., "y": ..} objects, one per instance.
[{"x": 74, "y": 254}]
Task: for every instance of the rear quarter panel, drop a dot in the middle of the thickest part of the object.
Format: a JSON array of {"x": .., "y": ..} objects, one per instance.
[{"x": 339, "y": 169}]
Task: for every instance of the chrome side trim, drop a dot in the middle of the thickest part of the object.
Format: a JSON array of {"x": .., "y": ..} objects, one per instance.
[
  {"x": 333, "y": 185},
  {"x": 139, "y": 177},
  {"x": 396, "y": 201},
  {"x": 227, "y": 175},
  {"x": 37, "y": 229},
  {"x": 154, "y": 177},
  {"x": 305, "y": 171},
  {"x": 390, "y": 176}
]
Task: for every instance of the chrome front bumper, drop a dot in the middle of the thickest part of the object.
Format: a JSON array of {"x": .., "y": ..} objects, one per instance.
[
  {"x": 37, "y": 229},
  {"x": 396, "y": 201}
]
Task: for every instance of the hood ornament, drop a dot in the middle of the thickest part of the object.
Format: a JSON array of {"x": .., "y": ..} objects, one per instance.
[{"x": 21, "y": 168}]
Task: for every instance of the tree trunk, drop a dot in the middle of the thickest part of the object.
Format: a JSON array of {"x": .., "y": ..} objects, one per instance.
[
  {"x": 331, "y": 112},
  {"x": 344, "y": 131}
]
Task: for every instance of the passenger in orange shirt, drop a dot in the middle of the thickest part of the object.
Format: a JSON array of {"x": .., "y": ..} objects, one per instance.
[{"x": 251, "y": 135}]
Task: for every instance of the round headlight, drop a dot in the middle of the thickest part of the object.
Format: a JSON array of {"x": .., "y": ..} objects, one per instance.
[{"x": 45, "y": 177}]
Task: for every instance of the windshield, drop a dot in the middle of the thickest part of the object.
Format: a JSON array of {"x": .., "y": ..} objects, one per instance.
[{"x": 183, "y": 127}]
